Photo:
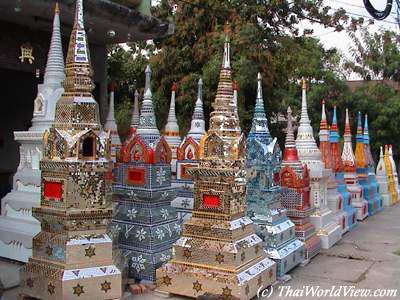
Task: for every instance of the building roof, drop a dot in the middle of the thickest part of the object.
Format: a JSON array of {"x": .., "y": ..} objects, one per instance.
[{"x": 106, "y": 22}]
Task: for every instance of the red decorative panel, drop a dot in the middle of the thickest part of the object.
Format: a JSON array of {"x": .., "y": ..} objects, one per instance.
[
  {"x": 135, "y": 176},
  {"x": 184, "y": 169},
  {"x": 52, "y": 190},
  {"x": 211, "y": 201}
]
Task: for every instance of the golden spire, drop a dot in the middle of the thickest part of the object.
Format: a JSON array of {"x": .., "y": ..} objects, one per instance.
[
  {"x": 57, "y": 9},
  {"x": 78, "y": 69},
  {"x": 77, "y": 108}
]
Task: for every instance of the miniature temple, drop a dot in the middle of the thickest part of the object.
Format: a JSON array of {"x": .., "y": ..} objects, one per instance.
[
  {"x": 350, "y": 176},
  {"x": 361, "y": 168},
  {"x": 171, "y": 133},
  {"x": 264, "y": 205},
  {"x": 394, "y": 170},
  {"x": 295, "y": 184},
  {"x": 333, "y": 197},
  {"x": 111, "y": 126},
  {"x": 309, "y": 154},
  {"x": 144, "y": 218},
  {"x": 17, "y": 226},
  {"x": 375, "y": 195},
  {"x": 391, "y": 180},
  {"x": 219, "y": 252},
  {"x": 188, "y": 154},
  {"x": 72, "y": 255},
  {"x": 382, "y": 179},
  {"x": 345, "y": 202}
]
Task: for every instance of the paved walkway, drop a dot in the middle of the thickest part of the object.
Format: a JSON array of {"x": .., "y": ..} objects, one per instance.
[{"x": 366, "y": 258}]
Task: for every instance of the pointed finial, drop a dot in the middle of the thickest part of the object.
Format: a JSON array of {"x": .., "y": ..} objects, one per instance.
[
  {"x": 200, "y": 89},
  {"x": 366, "y": 123},
  {"x": 334, "y": 118},
  {"x": 135, "y": 114},
  {"x": 173, "y": 88},
  {"x": 54, "y": 73},
  {"x": 226, "y": 62},
  {"x": 304, "y": 119},
  {"x": 323, "y": 111},
  {"x": 303, "y": 83},
  {"x": 259, "y": 86},
  {"x": 148, "y": 78},
  {"x": 289, "y": 141},
  {"x": 79, "y": 21},
  {"x": 347, "y": 130},
  {"x": 381, "y": 152},
  {"x": 197, "y": 125}
]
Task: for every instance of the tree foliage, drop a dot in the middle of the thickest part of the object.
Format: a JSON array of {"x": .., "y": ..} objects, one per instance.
[
  {"x": 265, "y": 37},
  {"x": 375, "y": 55}
]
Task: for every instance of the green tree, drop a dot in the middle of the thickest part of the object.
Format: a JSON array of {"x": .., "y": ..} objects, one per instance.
[
  {"x": 264, "y": 38},
  {"x": 375, "y": 55}
]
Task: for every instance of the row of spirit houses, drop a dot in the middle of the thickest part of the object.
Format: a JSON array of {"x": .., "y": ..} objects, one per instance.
[{"x": 237, "y": 213}]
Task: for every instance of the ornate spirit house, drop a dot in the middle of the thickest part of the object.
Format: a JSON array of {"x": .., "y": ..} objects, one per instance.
[
  {"x": 361, "y": 169},
  {"x": 309, "y": 154},
  {"x": 394, "y": 170},
  {"x": 350, "y": 218},
  {"x": 146, "y": 221},
  {"x": 350, "y": 176},
  {"x": 264, "y": 205},
  {"x": 333, "y": 197},
  {"x": 171, "y": 133},
  {"x": 382, "y": 179},
  {"x": 188, "y": 154},
  {"x": 391, "y": 179},
  {"x": 17, "y": 226},
  {"x": 72, "y": 255},
  {"x": 375, "y": 195},
  {"x": 295, "y": 183},
  {"x": 219, "y": 252}
]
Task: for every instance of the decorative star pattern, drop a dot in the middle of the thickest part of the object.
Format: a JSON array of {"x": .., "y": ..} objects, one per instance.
[
  {"x": 78, "y": 290},
  {"x": 49, "y": 251},
  {"x": 243, "y": 256},
  {"x": 219, "y": 258},
  {"x": 197, "y": 286},
  {"x": 29, "y": 282},
  {"x": 226, "y": 293},
  {"x": 167, "y": 280},
  {"x": 187, "y": 253},
  {"x": 105, "y": 286},
  {"x": 51, "y": 288},
  {"x": 90, "y": 251}
]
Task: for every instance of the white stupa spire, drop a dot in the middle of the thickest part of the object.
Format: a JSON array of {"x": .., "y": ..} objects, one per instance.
[
  {"x": 111, "y": 126},
  {"x": 305, "y": 141},
  {"x": 171, "y": 128},
  {"x": 54, "y": 73},
  {"x": 110, "y": 121},
  {"x": 226, "y": 62},
  {"x": 50, "y": 91},
  {"x": 197, "y": 126},
  {"x": 135, "y": 113},
  {"x": 147, "y": 128}
]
